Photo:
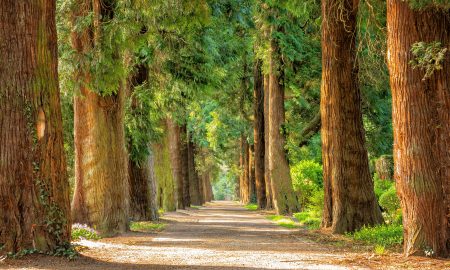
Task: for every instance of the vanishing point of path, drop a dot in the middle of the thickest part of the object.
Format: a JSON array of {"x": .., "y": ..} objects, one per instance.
[{"x": 220, "y": 235}]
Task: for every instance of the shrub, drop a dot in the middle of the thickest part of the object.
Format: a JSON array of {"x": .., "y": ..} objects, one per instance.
[
  {"x": 308, "y": 219},
  {"x": 382, "y": 235},
  {"x": 307, "y": 180},
  {"x": 251, "y": 206},
  {"x": 391, "y": 204},
  {"x": 381, "y": 186},
  {"x": 83, "y": 231}
]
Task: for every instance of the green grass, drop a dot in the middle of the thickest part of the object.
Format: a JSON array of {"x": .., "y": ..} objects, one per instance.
[
  {"x": 147, "y": 226},
  {"x": 382, "y": 235},
  {"x": 195, "y": 206},
  {"x": 308, "y": 219},
  {"x": 251, "y": 206},
  {"x": 81, "y": 231},
  {"x": 283, "y": 221}
]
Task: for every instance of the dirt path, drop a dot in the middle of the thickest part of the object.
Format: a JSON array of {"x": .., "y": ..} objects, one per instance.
[{"x": 221, "y": 235}]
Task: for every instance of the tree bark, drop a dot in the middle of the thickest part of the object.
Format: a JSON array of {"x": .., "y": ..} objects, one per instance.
[
  {"x": 101, "y": 196},
  {"x": 184, "y": 165},
  {"x": 251, "y": 175},
  {"x": 34, "y": 191},
  {"x": 269, "y": 202},
  {"x": 175, "y": 159},
  {"x": 163, "y": 172},
  {"x": 421, "y": 121},
  {"x": 258, "y": 133},
  {"x": 244, "y": 177},
  {"x": 143, "y": 204},
  {"x": 284, "y": 198},
  {"x": 194, "y": 183},
  {"x": 350, "y": 201}
]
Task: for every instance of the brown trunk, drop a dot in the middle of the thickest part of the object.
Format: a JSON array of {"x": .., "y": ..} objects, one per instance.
[
  {"x": 244, "y": 177},
  {"x": 269, "y": 202},
  {"x": 184, "y": 165},
  {"x": 34, "y": 191},
  {"x": 101, "y": 166},
  {"x": 175, "y": 159},
  {"x": 194, "y": 183},
  {"x": 284, "y": 198},
  {"x": 251, "y": 175},
  {"x": 350, "y": 201},
  {"x": 258, "y": 132},
  {"x": 163, "y": 173},
  {"x": 421, "y": 121},
  {"x": 143, "y": 193}
]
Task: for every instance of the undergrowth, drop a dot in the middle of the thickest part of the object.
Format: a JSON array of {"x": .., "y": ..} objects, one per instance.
[
  {"x": 251, "y": 206},
  {"x": 147, "y": 226}
]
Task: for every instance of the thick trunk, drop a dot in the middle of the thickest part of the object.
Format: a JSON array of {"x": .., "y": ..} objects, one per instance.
[
  {"x": 421, "y": 121},
  {"x": 350, "y": 201},
  {"x": 101, "y": 196},
  {"x": 184, "y": 165},
  {"x": 284, "y": 198},
  {"x": 251, "y": 175},
  {"x": 143, "y": 205},
  {"x": 258, "y": 132},
  {"x": 175, "y": 159},
  {"x": 244, "y": 177},
  {"x": 194, "y": 180},
  {"x": 34, "y": 191},
  {"x": 163, "y": 173},
  {"x": 269, "y": 202}
]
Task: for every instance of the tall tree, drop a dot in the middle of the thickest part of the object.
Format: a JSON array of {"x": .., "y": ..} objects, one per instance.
[
  {"x": 195, "y": 190},
  {"x": 350, "y": 201},
  {"x": 101, "y": 196},
  {"x": 175, "y": 145},
  {"x": 258, "y": 134},
  {"x": 421, "y": 121},
  {"x": 34, "y": 191},
  {"x": 284, "y": 198},
  {"x": 269, "y": 203}
]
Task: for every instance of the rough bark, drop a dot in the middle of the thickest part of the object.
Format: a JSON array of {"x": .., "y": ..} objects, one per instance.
[
  {"x": 184, "y": 165},
  {"x": 258, "y": 133},
  {"x": 163, "y": 173},
  {"x": 34, "y": 191},
  {"x": 175, "y": 159},
  {"x": 284, "y": 198},
  {"x": 101, "y": 196},
  {"x": 194, "y": 187},
  {"x": 269, "y": 202},
  {"x": 251, "y": 175},
  {"x": 384, "y": 167},
  {"x": 350, "y": 201},
  {"x": 244, "y": 177},
  {"x": 143, "y": 204},
  {"x": 421, "y": 121}
]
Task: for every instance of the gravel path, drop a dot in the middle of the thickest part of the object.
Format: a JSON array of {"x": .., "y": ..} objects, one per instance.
[{"x": 221, "y": 235}]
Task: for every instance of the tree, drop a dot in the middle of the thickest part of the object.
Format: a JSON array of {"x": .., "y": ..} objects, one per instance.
[
  {"x": 269, "y": 203},
  {"x": 283, "y": 196},
  {"x": 34, "y": 197},
  {"x": 175, "y": 145},
  {"x": 258, "y": 133},
  {"x": 195, "y": 190},
  {"x": 101, "y": 196},
  {"x": 350, "y": 201},
  {"x": 421, "y": 121}
]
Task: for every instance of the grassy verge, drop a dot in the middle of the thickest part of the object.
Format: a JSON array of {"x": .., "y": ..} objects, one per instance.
[
  {"x": 283, "y": 221},
  {"x": 382, "y": 237},
  {"x": 251, "y": 206},
  {"x": 147, "y": 226}
]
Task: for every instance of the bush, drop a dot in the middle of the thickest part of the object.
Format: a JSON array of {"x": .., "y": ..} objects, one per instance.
[
  {"x": 83, "y": 231},
  {"x": 381, "y": 235},
  {"x": 308, "y": 219},
  {"x": 381, "y": 186},
  {"x": 307, "y": 180},
  {"x": 391, "y": 204}
]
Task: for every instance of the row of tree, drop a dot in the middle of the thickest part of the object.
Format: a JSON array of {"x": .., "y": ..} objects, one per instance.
[{"x": 420, "y": 121}]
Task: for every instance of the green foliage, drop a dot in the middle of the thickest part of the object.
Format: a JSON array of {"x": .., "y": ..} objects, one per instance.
[
  {"x": 80, "y": 231},
  {"x": 428, "y": 57},
  {"x": 423, "y": 4},
  {"x": 146, "y": 226},
  {"x": 309, "y": 219},
  {"x": 383, "y": 235},
  {"x": 390, "y": 202},
  {"x": 306, "y": 180},
  {"x": 381, "y": 186},
  {"x": 251, "y": 207},
  {"x": 283, "y": 221}
]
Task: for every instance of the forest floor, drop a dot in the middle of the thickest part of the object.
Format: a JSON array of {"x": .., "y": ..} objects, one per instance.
[{"x": 224, "y": 235}]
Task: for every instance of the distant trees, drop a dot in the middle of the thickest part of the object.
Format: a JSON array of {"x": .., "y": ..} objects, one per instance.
[
  {"x": 421, "y": 121},
  {"x": 34, "y": 191}
]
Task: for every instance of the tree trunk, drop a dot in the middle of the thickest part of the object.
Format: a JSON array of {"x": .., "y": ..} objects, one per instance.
[
  {"x": 284, "y": 198},
  {"x": 194, "y": 183},
  {"x": 350, "y": 201},
  {"x": 184, "y": 165},
  {"x": 244, "y": 179},
  {"x": 269, "y": 202},
  {"x": 175, "y": 159},
  {"x": 143, "y": 205},
  {"x": 251, "y": 175},
  {"x": 101, "y": 196},
  {"x": 163, "y": 172},
  {"x": 258, "y": 132},
  {"x": 34, "y": 191},
  {"x": 421, "y": 121}
]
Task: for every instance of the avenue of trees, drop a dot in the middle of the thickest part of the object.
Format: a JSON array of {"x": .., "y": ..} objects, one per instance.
[{"x": 111, "y": 110}]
